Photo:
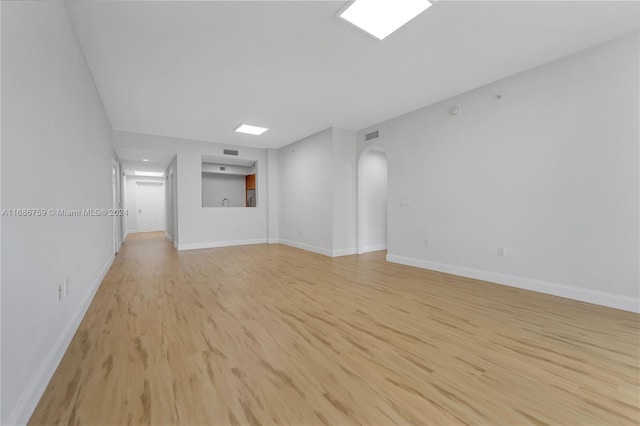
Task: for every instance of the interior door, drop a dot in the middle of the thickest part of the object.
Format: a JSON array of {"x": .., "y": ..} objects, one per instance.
[
  {"x": 114, "y": 204},
  {"x": 150, "y": 199}
]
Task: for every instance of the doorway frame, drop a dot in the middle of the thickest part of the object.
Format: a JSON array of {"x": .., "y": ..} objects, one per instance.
[
  {"x": 116, "y": 195},
  {"x": 362, "y": 248}
]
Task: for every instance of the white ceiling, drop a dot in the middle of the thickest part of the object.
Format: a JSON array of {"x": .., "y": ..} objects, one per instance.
[
  {"x": 131, "y": 159},
  {"x": 198, "y": 69}
]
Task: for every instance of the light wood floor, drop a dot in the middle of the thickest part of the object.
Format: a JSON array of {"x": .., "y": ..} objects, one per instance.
[{"x": 274, "y": 335}]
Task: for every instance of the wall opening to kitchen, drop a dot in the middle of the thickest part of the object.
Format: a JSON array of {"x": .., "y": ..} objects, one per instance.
[{"x": 230, "y": 183}]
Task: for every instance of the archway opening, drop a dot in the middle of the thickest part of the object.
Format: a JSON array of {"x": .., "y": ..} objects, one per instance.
[{"x": 372, "y": 200}]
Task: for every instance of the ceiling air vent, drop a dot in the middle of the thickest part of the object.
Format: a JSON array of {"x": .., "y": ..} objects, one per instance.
[
  {"x": 230, "y": 152},
  {"x": 372, "y": 135},
  {"x": 223, "y": 168}
]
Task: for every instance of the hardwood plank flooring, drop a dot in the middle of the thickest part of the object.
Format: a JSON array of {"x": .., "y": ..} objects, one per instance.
[{"x": 269, "y": 334}]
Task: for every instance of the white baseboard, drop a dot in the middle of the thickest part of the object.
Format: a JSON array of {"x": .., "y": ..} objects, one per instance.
[
  {"x": 376, "y": 247},
  {"x": 344, "y": 252},
  {"x": 273, "y": 241},
  {"x": 168, "y": 236},
  {"x": 307, "y": 247},
  {"x": 175, "y": 244},
  {"x": 319, "y": 250},
  {"x": 624, "y": 303},
  {"x": 214, "y": 244},
  {"x": 44, "y": 372}
]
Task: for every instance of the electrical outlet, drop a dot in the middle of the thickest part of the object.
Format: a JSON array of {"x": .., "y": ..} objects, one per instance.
[
  {"x": 66, "y": 286},
  {"x": 59, "y": 295},
  {"x": 427, "y": 243},
  {"x": 500, "y": 251}
]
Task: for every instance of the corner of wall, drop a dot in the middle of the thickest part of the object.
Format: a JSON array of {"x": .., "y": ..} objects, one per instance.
[
  {"x": 344, "y": 208},
  {"x": 273, "y": 202}
]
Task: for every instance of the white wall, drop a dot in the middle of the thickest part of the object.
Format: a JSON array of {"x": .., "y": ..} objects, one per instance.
[
  {"x": 305, "y": 181},
  {"x": 549, "y": 172},
  {"x": 316, "y": 192},
  {"x": 344, "y": 192},
  {"x": 273, "y": 197},
  {"x": 228, "y": 169},
  {"x": 1, "y": 417},
  {"x": 55, "y": 130},
  {"x": 372, "y": 193},
  {"x": 218, "y": 186},
  {"x": 200, "y": 227}
]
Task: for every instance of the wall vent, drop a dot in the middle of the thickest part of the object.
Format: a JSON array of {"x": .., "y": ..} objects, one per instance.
[
  {"x": 372, "y": 135},
  {"x": 223, "y": 168},
  {"x": 230, "y": 152}
]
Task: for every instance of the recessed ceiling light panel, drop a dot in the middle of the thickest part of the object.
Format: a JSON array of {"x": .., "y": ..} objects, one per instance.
[
  {"x": 251, "y": 130},
  {"x": 148, "y": 174},
  {"x": 382, "y": 17}
]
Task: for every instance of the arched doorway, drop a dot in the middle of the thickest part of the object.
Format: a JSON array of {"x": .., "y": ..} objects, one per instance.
[{"x": 372, "y": 200}]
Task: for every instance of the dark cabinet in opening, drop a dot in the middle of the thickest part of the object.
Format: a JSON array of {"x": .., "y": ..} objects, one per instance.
[{"x": 250, "y": 185}]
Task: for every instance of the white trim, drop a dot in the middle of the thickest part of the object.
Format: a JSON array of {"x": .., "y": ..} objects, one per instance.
[
  {"x": 214, "y": 244},
  {"x": 31, "y": 396},
  {"x": 377, "y": 247},
  {"x": 175, "y": 244},
  {"x": 307, "y": 247},
  {"x": 273, "y": 241},
  {"x": 319, "y": 250},
  {"x": 344, "y": 252},
  {"x": 166, "y": 234},
  {"x": 616, "y": 301}
]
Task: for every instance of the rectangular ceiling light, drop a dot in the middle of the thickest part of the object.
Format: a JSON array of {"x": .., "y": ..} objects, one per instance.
[
  {"x": 148, "y": 174},
  {"x": 382, "y": 17},
  {"x": 251, "y": 130}
]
